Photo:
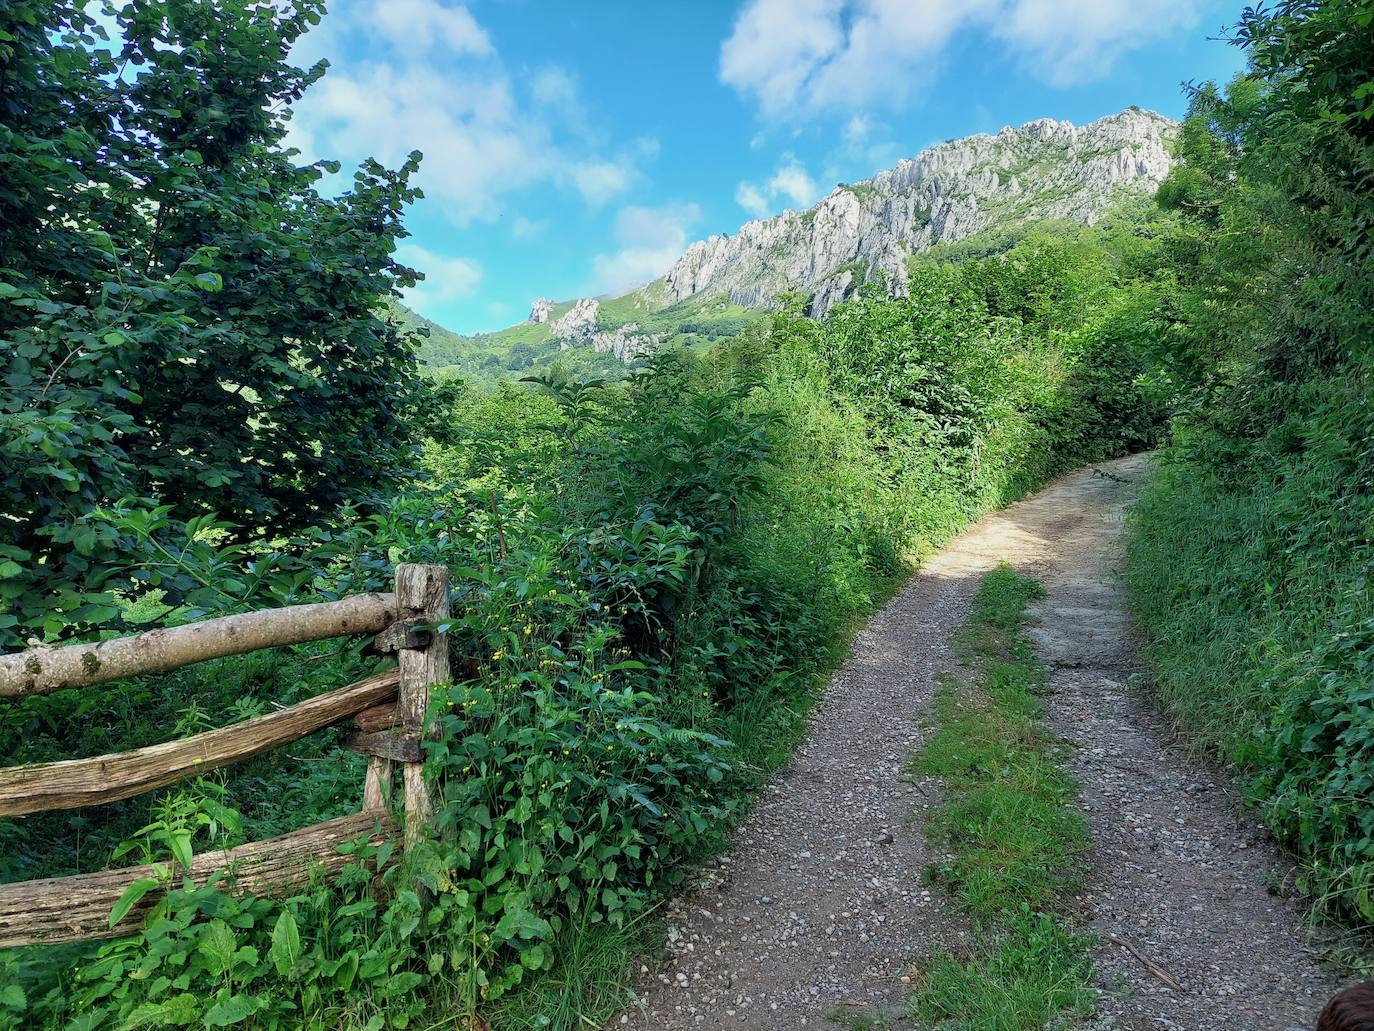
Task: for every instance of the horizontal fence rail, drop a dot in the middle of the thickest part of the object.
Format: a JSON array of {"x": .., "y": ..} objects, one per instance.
[
  {"x": 42, "y": 670},
  {"x": 388, "y": 710},
  {"x": 73, "y": 783},
  {"x": 63, "y": 909}
]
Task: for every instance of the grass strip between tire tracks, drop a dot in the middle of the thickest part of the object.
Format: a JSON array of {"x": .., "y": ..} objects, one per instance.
[{"x": 1014, "y": 831}]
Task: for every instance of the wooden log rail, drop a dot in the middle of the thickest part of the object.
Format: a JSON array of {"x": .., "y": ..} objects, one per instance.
[
  {"x": 72, "y": 908},
  {"x": 63, "y": 909},
  {"x": 73, "y": 783},
  {"x": 42, "y": 670}
]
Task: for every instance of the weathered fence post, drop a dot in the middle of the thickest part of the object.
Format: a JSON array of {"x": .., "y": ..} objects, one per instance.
[{"x": 421, "y": 596}]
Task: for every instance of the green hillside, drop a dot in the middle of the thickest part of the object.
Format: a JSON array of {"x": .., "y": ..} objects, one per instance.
[{"x": 487, "y": 358}]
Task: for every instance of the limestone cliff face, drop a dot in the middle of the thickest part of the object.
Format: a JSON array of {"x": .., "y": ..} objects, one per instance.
[
  {"x": 1044, "y": 169},
  {"x": 579, "y": 322},
  {"x": 581, "y": 325}
]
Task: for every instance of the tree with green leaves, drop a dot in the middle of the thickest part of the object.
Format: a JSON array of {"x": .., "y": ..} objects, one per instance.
[{"x": 184, "y": 315}]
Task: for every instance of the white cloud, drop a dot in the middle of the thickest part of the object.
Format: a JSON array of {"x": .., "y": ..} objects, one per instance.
[
  {"x": 446, "y": 278},
  {"x": 857, "y": 130},
  {"x": 555, "y": 87},
  {"x": 599, "y": 181},
  {"x": 429, "y": 80},
  {"x": 650, "y": 240},
  {"x": 527, "y": 228},
  {"x": 798, "y": 56},
  {"x": 475, "y": 140},
  {"x": 1080, "y": 40},
  {"x": 752, "y": 199},
  {"x": 790, "y": 185},
  {"x": 417, "y": 24}
]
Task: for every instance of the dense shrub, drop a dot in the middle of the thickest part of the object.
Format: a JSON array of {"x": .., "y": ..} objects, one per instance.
[
  {"x": 183, "y": 316},
  {"x": 1250, "y": 561}
]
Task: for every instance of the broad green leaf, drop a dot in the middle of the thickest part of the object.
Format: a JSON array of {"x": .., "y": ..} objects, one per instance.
[
  {"x": 130, "y": 897},
  {"x": 233, "y": 1010},
  {"x": 218, "y": 946},
  {"x": 286, "y": 943}
]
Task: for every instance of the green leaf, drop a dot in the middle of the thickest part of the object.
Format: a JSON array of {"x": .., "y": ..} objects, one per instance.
[
  {"x": 286, "y": 943},
  {"x": 232, "y": 1010},
  {"x": 217, "y": 946},
  {"x": 13, "y": 996},
  {"x": 179, "y": 841},
  {"x": 130, "y": 898}
]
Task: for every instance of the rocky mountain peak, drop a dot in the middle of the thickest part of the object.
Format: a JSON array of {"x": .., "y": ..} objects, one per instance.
[{"x": 1046, "y": 169}]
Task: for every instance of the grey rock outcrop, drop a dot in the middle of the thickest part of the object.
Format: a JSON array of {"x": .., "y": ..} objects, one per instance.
[
  {"x": 1046, "y": 169},
  {"x": 580, "y": 321},
  {"x": 625, "y": 342},
  {"x": 580, "y": 326}
]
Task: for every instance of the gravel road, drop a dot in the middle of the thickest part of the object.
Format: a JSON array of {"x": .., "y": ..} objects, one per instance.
[{"x": 818, "y": 908}]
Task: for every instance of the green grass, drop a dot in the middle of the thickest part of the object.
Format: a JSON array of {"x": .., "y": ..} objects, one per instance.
[
  {"x": 586, "y": 986},
  {"x": 859, "y": 1021},
  {"x": 1248, "y": 568},
  {"x": 1013, "y": 829}
]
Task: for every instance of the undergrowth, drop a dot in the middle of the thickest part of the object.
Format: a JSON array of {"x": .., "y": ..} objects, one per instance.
[
  {"x": 1251, "y": 553},
  {"x": 1010, "y": 821}
]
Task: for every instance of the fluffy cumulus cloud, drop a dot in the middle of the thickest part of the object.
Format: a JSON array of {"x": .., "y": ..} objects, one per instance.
[
  {"x": 424, "y": 75},
  {"x": 790, "y": 186},
  {"x": 649, "y": 240},
  {"x": 425, "y": 24},
  {"x": 1077, "y": 40},
  {"x": 798, "y": 56},
  {"x": 446, "y": 278}
]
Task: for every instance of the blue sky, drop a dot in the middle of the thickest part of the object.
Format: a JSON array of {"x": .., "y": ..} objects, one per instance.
[{"x": 575, "y": 148}]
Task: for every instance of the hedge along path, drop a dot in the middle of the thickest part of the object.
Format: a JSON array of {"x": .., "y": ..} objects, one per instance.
[{"x": 819, "y": 910}]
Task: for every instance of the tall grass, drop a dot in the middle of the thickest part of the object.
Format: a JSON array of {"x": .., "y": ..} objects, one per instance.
[{"x": 1250, "y": 565}]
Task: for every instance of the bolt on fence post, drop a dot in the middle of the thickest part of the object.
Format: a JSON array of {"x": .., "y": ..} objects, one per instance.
[{"x": 421, "y": 593}]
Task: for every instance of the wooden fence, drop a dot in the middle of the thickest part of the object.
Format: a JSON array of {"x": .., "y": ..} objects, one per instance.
[{"x": 388, "y": 711}]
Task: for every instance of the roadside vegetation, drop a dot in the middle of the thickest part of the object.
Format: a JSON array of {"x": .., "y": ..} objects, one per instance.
[
  {"x": 1010, "y": 820},
  {"x": 1252, "y": 549}
]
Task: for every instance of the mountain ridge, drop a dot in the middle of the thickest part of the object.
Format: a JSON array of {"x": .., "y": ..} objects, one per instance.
[{"x": 1046, "y": 169}]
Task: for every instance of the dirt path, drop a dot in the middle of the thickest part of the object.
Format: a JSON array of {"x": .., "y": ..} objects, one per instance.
[{"x": 819, "y": 908}]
